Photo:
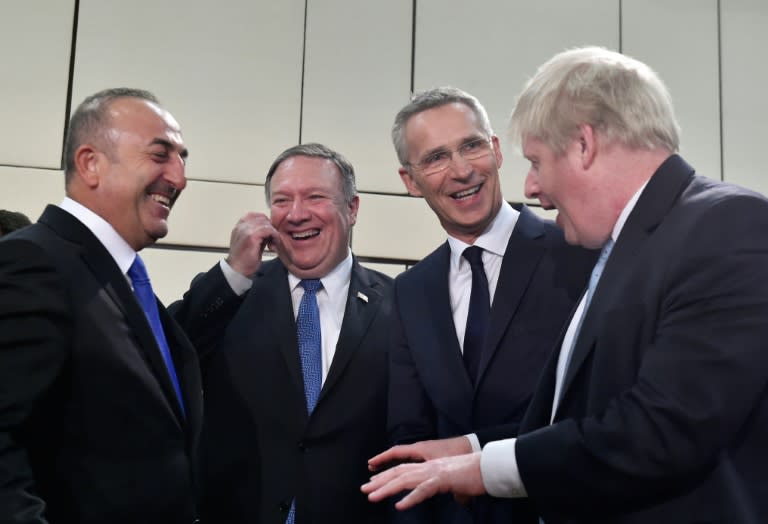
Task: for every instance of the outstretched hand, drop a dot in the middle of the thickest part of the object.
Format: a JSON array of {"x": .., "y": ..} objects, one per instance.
[
  {"x": 420, "y": 452},
  {"x": 459, "y": 475}
]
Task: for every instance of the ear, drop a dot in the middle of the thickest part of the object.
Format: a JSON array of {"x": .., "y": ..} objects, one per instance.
[
  {"x": 587, "y": 141},
  {"x": 497, "y": 150},
  {"x": 410, "y": 184},
  {"x": 354, "y": 205},
  {"x": 88, "y": 164}
]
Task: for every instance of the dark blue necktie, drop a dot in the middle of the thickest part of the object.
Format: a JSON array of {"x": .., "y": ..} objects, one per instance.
[
  {"x": 143, "y": 290},
  {"x": 310, "y": 351},
  {"x": 479, "y": 312}
]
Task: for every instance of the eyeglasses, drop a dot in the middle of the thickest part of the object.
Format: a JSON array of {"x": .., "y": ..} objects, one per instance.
[{"x": 438, "y": 161}]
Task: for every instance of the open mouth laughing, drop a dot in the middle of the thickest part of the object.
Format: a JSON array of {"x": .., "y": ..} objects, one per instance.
[
  {"x": 304, "y": 235},
  {"x": 460, "y": 195}
]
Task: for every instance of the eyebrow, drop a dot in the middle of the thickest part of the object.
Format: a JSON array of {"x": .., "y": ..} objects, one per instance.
[
  {"x": 465, "y": 140},
  {"x": 184, "y": 153}
]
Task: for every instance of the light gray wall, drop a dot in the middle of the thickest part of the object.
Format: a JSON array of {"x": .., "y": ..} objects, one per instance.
[{"x": 247, "y": 79}]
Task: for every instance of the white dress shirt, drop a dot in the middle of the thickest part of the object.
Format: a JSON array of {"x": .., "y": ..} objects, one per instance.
[
  {"x": 332, "y": 302},
  {"x": 498, "y": 463}
]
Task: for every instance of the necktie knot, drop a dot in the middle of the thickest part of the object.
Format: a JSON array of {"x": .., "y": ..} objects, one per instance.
[
  {"x": 311, "y": 285},
  {"x": 474, "y": 256},
  {"x": 138, "y": 271}
]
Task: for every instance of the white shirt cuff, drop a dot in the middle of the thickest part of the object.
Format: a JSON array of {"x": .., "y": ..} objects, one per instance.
[
  {"x": 498, "y": 466},
  {"x": 474, "y": 442},
  {"x": 239, "y": 283}
]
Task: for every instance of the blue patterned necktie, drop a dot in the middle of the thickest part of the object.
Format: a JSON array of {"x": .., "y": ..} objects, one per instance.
[
  {"x": 308, "y": 329},
  {"x": 142, "y": 288},
  {"x": 310, "y": 351},
  {"x": 479, "y": 312}
]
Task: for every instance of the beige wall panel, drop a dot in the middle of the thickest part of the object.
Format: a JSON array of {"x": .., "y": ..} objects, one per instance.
[
  {"x": 206, "y": 212},
  {"x": 490, "y": 48},
  {"x": 171, "y": 270},
  {"x": 357, "y": 76},
  {"x": 397, "y": 227},
  {"x": 230, "y": 73},
  {"x": 744, "y": 80},
  {"x": 688, "y": 64},
  {"x": 388, "y": 269},
  {"x": 30, "y": 190},
  {"x": 35, "y": 43}
]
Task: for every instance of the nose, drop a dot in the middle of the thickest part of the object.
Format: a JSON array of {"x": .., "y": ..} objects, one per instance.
[
  {"x": 176, "y": 172},
  {"x": 298, "y": 212},
  {"x": 460, "y": 165},
  {"x": 532, "y": 189}
]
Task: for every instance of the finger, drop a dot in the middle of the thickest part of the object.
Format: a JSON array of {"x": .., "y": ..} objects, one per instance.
[{"x": 422, "y": 492}]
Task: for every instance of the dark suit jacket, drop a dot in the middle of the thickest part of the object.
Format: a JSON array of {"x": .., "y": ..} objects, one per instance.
[
  {"x": 262, "y": 450},
  {"x": 430, "y": 395},
  {"x": 90, "y": 427},
  {"x": 664, "y": 416}
]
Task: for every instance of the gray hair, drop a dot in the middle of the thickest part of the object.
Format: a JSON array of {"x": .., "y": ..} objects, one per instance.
[
  {"x": 315, "y": 150},
  {"x": 437, "y": 97},
  {"x": 621, "y": 98},
  {"x": 90, "y": 121}
]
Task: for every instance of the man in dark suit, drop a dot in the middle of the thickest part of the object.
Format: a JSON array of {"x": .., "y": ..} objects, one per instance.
[
  {"x": 451, "y": 157},
  {"x": 100, "y": 403},
  {"x": 654, "y": 408},
  {"x": 287, "y": 440}
]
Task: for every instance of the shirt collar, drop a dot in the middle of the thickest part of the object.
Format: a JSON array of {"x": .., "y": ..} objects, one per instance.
[
  {"x": 494, "y": 239},
  {"x": 334, "y": 282},
  {"x": 626, "y": 211},
  {"x": 102, "y": 230}
]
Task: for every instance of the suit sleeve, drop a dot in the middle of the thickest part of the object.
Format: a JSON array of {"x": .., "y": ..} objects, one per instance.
[
  {"x": 35, "y": 330},
  {"x": 700, "y": 378},
  {"x": 206, "y": 310}
]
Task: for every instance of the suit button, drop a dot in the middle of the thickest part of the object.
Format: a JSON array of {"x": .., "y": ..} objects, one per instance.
[
  {"x": 302, "y": 446},
  {"x": 284, "y": 507}
]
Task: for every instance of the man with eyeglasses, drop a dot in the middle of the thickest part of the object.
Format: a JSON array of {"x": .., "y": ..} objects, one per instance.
[{"x": 476, "y": 320}]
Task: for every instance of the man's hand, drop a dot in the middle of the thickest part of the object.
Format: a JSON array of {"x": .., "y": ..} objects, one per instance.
[
  {"x": 250, "y": 236},
  {"x": 421, "y": 451},
  {"x": 459, "y": 475}
]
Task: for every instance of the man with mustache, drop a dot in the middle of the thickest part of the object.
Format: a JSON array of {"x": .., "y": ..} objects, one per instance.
[
  {"x": 100, "y": 390},
  {"x": 295, "y": 391}
]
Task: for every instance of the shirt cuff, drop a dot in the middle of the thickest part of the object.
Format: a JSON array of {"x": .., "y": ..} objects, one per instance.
[
  {"x": 498, "y": 466},
  {"x": 239, "y": 283},
  {"x": 474, "y": 442}
]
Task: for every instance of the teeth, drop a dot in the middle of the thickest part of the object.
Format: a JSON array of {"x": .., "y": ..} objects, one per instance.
[
  {"x": 160, "y": 199},
  {"x": 466, "y": 192},
  {"x": 305, "y": 234}
]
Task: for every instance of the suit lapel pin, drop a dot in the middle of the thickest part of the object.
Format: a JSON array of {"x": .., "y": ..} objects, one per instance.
[{"x": 362, "y": 297}]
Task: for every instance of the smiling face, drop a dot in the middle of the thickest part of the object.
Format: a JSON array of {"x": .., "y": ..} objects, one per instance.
[
  {"x": 309, "y": 212},
  {"x": 134, "y": 186},
  {"x": 465, "y": 196}
]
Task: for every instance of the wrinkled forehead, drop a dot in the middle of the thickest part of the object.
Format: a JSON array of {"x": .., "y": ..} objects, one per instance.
[
  {"x": 442, "y": 126},
  {"x": 144, "y": 119}
]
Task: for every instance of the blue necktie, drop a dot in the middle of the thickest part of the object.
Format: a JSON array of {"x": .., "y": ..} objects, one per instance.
[
  {"x": 479, "y": 312},
  {"x": 142, "y": 288},
  {"x": 310, "y": 351}
]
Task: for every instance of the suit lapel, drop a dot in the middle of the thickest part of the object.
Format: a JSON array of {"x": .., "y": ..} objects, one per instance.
[
  {"x": 114, "y": 283},
  {"x": 429, "y": 296},
  {"x": 270, "y": 286},
  {"x": 358, "y": 315},
  {"x": 521, "y": 258},
  {"x": 661, "y": 193}
]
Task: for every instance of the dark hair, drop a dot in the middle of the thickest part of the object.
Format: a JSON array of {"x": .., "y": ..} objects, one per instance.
[
  {"x": 314, "y": 150},
  {"x": 11, "y": 221},
  {"x": 90, "y": 121}
]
